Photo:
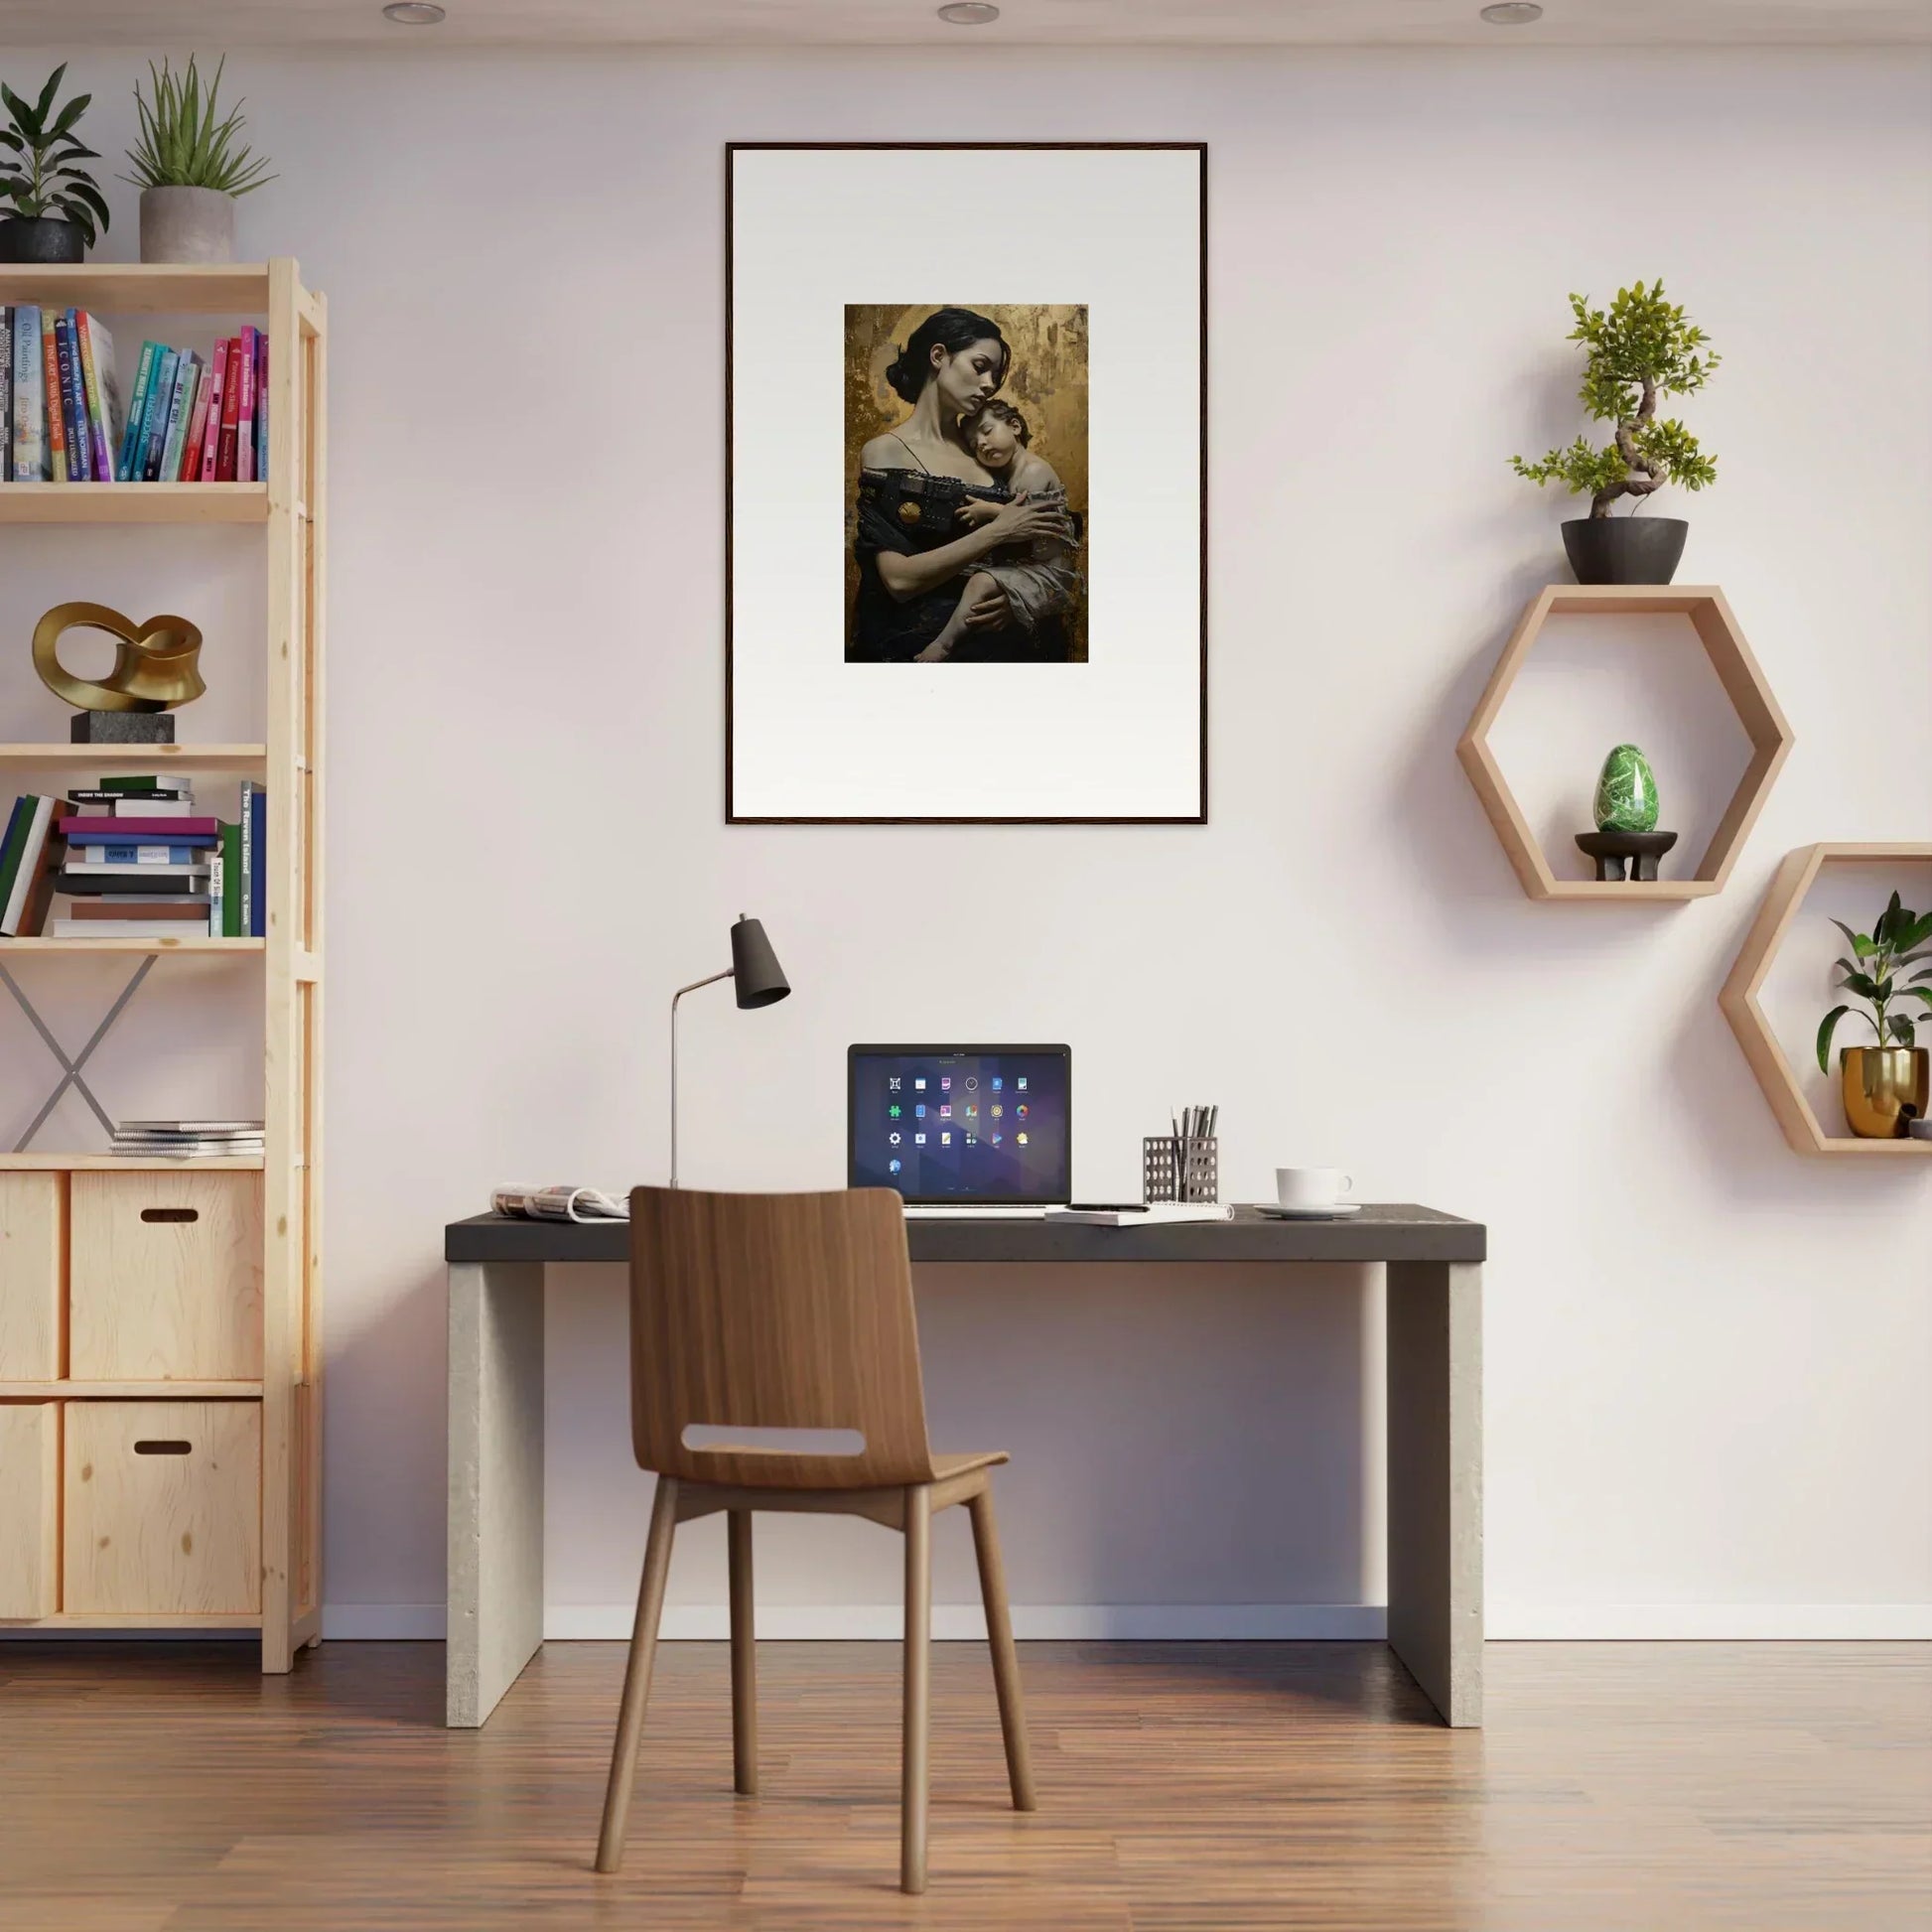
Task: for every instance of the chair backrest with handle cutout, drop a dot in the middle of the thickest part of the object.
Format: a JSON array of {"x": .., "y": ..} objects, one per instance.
[{"x": 753, "y": 1312}]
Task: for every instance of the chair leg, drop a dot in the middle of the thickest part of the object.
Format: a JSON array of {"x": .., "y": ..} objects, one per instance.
[
  {"x": 914, "y": 1769},
  {"x": 745, "y": 1669},
  {"x": 636, "y": 1676},
  {"x": 1006, "y": 1660}
]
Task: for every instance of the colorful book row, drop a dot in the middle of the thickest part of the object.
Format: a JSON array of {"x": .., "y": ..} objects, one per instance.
[{"x": 188, "y": 420}]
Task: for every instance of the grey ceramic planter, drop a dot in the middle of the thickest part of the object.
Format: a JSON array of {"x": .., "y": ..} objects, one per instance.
[{"x": 186, "y": 224}]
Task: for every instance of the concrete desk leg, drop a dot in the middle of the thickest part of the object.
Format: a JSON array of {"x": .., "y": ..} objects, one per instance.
[
  {"x": 495, "y": 1616},
  {"x": 1435, "y": 1347}
]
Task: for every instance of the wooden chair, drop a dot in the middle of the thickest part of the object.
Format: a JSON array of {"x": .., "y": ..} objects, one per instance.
[{"x": 768, "y": 1312}]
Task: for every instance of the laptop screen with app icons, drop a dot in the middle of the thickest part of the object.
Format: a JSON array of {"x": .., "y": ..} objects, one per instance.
[{"x": 962, "y": 1123}]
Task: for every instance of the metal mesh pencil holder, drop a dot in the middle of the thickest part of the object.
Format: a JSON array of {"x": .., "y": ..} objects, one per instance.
[{"x": 1179, "y": 1169}]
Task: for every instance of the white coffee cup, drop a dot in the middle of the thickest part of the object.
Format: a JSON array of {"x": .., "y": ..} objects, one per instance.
[{"x": 1311, "y": 1186}]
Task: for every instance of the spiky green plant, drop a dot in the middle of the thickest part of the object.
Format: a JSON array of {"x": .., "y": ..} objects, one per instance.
[
  {"x": 183, "y": 143},
  {"x": 38, "y": 178},
  {"x": 1878, "y": 958},
  {"x": 1640, "y": 349}
]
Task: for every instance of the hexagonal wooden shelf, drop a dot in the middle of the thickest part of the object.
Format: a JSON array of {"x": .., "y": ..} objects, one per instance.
[
  {"x": 1743, "y": 683},
  {"x": 1775, "y": 1073}
]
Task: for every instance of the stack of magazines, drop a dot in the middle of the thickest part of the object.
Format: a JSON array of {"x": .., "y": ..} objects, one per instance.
[
  {"x": 559, "y": 1203},
  {"x": 188, "y": 1140}
]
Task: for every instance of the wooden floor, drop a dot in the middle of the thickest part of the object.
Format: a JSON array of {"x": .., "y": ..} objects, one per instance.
[{"x": 1631, "y": 1787}]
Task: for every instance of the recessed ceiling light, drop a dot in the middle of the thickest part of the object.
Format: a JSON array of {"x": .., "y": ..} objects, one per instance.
[
  {"x": 969, "y": 13},
  {"x": 1512, "y": 13},
  {"x": 414, "y": 13}
]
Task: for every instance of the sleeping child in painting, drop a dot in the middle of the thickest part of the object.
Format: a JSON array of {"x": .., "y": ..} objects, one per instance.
[{"x": 1039, "y": 578}]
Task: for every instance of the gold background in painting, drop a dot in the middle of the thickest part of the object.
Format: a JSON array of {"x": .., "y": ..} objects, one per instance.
[{"x": 1047, "y": 381}]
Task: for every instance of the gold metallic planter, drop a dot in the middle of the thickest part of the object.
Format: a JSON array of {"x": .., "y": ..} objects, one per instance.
[{"x": 1885, "y": 1087}]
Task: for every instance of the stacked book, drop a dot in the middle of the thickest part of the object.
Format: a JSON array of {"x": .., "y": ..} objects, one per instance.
[
  {"x": 187, "y": 1139},
  {"x": 188, "y": 419},
  {"x": 136, "y": 861}
]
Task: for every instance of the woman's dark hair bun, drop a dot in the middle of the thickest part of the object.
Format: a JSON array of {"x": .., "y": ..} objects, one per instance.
[{"x": 951, "y": 329}]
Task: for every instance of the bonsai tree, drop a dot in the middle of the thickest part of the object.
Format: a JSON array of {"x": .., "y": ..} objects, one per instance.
[
  {"x": 1896, "y": 942},
  {"x": 1641, "y": 350},
  {"x": 37, "y": 151},
  {"x": 183, "y": 143}
]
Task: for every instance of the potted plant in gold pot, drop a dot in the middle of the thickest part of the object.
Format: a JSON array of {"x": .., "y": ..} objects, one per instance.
[{"x": 1885, "y": 1085}]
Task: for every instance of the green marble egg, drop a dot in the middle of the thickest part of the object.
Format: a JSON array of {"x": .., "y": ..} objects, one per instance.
[{"x": 1626, "y": 792}]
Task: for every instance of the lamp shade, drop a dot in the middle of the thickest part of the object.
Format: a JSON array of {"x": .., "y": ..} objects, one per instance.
[{"x": 757, "y": 977}]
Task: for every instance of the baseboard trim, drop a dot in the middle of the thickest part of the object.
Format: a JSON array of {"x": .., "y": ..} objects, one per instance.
[
  {"x": 383, "y": 1622},
  {"x": 876, "y": 1622},
  {"x": 1510, "y": 1622},
  {"x": 1188, "y": 1622},
  {"x": 964, "y": 1622}
]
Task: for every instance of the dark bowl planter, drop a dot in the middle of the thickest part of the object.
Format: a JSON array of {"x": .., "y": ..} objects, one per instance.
[
  {"x": 1624, "y": 549},
  {"x": 41, "y": 240}
]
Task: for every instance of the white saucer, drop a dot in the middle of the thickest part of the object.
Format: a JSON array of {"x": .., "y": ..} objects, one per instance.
[{"x": 1270, "y": 1210}]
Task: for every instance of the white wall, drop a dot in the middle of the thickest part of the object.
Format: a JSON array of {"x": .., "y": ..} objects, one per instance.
[{"x": 1707, "y": 1358}]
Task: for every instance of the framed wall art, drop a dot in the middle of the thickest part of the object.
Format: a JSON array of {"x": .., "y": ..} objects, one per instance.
[{"x": 966, "y": 495}]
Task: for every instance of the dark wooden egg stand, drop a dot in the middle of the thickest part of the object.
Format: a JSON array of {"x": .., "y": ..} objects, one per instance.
[{"x": 1613, "y": 850}]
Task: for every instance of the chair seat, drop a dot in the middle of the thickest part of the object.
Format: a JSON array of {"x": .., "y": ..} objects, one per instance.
[{"x": 956, "y": 1478}]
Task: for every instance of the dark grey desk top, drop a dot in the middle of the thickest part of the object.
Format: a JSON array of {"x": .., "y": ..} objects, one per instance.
[{"x": 1393, "y": 1231}]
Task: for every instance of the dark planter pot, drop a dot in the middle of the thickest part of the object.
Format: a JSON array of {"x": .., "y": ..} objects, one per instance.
[
  {"x": 1624, "y": 549},
  {"x": 41, "y": 240}
]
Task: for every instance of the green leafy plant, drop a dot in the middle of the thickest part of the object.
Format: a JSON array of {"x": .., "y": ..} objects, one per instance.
[
  {"x": 1900, "y": 939},
  {"x": 37, "y": 152},
  {"x": 183, "y": 143},
  {"x": 1641, "y": 350}
]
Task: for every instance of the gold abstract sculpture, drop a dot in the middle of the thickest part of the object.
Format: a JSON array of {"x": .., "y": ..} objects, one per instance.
[{"x": 154, "y": 662}]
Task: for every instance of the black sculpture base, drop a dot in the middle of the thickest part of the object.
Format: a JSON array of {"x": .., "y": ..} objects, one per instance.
[
  {"x": 122, "y": 728},
  {"x": 1613, "y": 850}
]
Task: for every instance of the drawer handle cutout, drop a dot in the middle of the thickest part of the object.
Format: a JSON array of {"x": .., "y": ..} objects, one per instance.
[
  {"x": 170, "y": 1213},
  {"x": 154, "y": 1447}
]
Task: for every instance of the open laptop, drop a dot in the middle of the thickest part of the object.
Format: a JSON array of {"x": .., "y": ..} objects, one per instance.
[{"x": 962, "y": 1130}]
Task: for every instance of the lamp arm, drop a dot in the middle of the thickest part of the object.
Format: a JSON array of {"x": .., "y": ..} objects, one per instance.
[{"x": 675, "y": 998}]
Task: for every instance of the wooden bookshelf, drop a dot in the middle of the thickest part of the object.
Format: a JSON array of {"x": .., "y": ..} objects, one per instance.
[
  {"x": 132, "y": 289},
  {"x": 138, "y": 757},
  {"x": 181, "y": 1391},
  {"x": 194, "y": 943},
  {"x": 134, "y": 502},
  {"x": 86, "y": 1164},
  {"x": 57, "y": 1199},
  {"x": 31, "y": 1163}
]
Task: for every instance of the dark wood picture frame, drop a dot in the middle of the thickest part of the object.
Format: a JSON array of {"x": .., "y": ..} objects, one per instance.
[{"x": 735, "y": 148}]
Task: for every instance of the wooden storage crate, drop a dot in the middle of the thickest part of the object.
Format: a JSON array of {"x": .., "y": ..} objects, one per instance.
[
  {"x": 163, "y": 1508},
  {"x": 32, "y": 1270},
  {"x": 165, "y": 1276},
  {"x": 30, "y": 1523}
]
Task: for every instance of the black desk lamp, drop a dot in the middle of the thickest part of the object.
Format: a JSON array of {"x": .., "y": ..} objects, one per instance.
[{"x": 760, "y": 981}]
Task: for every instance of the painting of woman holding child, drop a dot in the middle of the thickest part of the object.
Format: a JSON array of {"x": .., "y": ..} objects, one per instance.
[{"x": 966, "y": 445}]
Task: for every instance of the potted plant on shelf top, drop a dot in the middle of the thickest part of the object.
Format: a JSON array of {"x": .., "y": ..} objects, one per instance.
[
  {"x": 1884, "y": 1085},
  {"x": 188, "y": 168},
  {"x": 52, "y": 212},
  {"x": 1640, "y": 349}
]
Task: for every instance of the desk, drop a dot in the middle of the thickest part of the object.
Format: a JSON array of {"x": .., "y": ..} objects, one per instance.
[{"x": 1434, "y": 1412}]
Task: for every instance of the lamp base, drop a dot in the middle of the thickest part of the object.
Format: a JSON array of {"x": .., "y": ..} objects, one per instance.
[{"x": 122, "y": 728}]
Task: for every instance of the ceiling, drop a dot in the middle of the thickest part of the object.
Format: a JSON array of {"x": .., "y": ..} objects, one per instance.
[{"x": 877, "y": 22}]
